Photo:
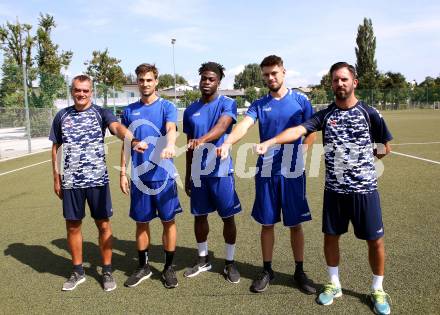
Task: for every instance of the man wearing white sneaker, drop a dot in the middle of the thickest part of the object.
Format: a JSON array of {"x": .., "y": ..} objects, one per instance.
[{"x": 353, "y": 133}]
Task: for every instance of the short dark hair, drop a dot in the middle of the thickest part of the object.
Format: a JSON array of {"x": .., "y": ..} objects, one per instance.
[
  {"x": 82, "y": 78},
  {"x": 145, "y": 68},
  {"x": 214, "y": 67},
  {"x": 271, "y": 61},
  {"x": 343, "y": 64}
]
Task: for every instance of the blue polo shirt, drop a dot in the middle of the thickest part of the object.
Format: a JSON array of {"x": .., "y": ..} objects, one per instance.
[
  {"x": 199, "y": 118},
  {"x": 274, "y": 116},
  {"x": 148, "y": 123}
]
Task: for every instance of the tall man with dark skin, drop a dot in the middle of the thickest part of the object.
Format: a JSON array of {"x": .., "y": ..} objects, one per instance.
[
  {"x": 80, "y": 129},
  {"x": 278, "y": 192},
  {"x": 351, "y": 130},
  {"x": 209, "y": 181}
]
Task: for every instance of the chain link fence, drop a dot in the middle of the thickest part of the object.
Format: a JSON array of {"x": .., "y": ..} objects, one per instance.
[{"x": 389, "y": 99}]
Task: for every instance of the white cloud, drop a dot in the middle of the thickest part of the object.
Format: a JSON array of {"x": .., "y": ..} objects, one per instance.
[
  {"x": 171, "y": 10},
  {"x": 321, "y": 73},
  {"x": 295, "y": 79},
  {"x": 187, "y": 37},
  {"x": 421, "y": 27},
  {"x": 228, "y": 80}
]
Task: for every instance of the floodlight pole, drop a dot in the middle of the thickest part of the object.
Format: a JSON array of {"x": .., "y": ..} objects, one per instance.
[
  {"x": 26, "y": 104},
  {"x": 173, "y": 41}
]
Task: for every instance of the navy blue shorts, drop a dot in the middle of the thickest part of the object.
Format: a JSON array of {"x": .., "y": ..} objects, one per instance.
[
  {"x": 277, "y": 194},
  {"x": 215, "y": 193},
  {"x": 154, "y": 199},
  {"x": 98, "y": 198},
  {"x": 362, "y": 209}
]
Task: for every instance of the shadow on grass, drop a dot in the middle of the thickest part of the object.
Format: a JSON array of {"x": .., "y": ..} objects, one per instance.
[
  {"x": 125, "y": 259},
  {"x": 363, "y": 298}
]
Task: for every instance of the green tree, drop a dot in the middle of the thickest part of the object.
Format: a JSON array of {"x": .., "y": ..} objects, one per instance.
[
  {"x": 240, "y": 102},
  {"x": 366, "y": 64},
  {"x": 250, "y": 94},
  {"x": 105, "y": 71},
  {"x": 49, "y": 63},
  {"x": 326, "y": 82},
  {"x": 190, "y": 97},
  {"x": 249, "y": 77},
  {"x": 320, "y": 95},
  {"x": 167, "y": 80},
  {"x": 263, "y": 91},
  {"x": 11, "y": 85},
  {"x": 16, "y": 43},
  {"x": 394, "y": 89}
]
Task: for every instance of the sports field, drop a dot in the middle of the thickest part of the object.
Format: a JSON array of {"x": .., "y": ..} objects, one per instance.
[{"x": 35, "y": 262}]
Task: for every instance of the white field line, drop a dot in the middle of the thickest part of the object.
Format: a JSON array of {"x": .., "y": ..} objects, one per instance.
[
  {"x": 25, "y": 167},
  {"x": 415, "y": 157},
  {"x": 414, "y": 143}
]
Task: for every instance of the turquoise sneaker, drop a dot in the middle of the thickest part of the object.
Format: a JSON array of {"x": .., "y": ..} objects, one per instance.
[
  {"x": 329, "y": 292},
  {"x": 381, "y": 302}
]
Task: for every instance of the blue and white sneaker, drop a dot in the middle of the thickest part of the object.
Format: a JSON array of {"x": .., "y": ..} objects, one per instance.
[
  {"x": 381, "y": 302},
  {"x": 328, "y": 294}
]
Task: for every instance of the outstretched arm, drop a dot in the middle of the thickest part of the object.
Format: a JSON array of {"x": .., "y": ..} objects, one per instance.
[
  {"x": 216, "y": 132},
  {"x": 287, "y": 136},
  {"x": 237, "y": 133},
  {"x": 120, "y": 131}
]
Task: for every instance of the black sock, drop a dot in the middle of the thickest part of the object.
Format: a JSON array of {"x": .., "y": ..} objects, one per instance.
[
  {"x": 169, "y": 256},
  {"x": 143, "y": 257},
  {"x": 228, "y": 262},
  {"x": 78, "y": 269},
  {"x": 267, "y": 265},
  {"x": 299, "y": 267},
  {"x": 107, "y": 268},
  {"x": 203, "y": 259}
]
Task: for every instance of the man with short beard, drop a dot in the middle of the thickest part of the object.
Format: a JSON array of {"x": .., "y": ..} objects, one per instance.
[
  {"x": 278, "y": 191},
  {"x": 353, "y": 134}
]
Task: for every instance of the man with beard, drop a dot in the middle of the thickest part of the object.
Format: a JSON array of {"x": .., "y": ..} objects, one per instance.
[
  {"x": 209, "y": 182},
  {"x": 353, "y": 133},
  {"x": 280, "y": 186},
  {"x": 153, "y": 190}
]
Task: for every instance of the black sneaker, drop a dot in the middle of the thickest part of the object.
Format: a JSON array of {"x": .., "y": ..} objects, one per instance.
[
  {"x": 73, "y": 281},
  {"x": 262, "y": 282},
  {"x": 304, "y": 283},
  {"x": 231, "y": 273},
  {"x": 108, "y": 282},
  {"x": 201, "y": 265},
  {"x": 139, "y": 275},
  {"x": 169, "y": 278}
]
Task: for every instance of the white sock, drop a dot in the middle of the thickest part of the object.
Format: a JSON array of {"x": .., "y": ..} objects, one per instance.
[
  {"x": 230, "y": 251},
  {"x": 333, "y": 273},
  {"x": 377, "y": 283},
  {"x": 203, "y": 248}
]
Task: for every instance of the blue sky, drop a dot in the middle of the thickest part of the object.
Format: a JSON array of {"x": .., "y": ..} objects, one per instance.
[{"x": 308, "y": 35}]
